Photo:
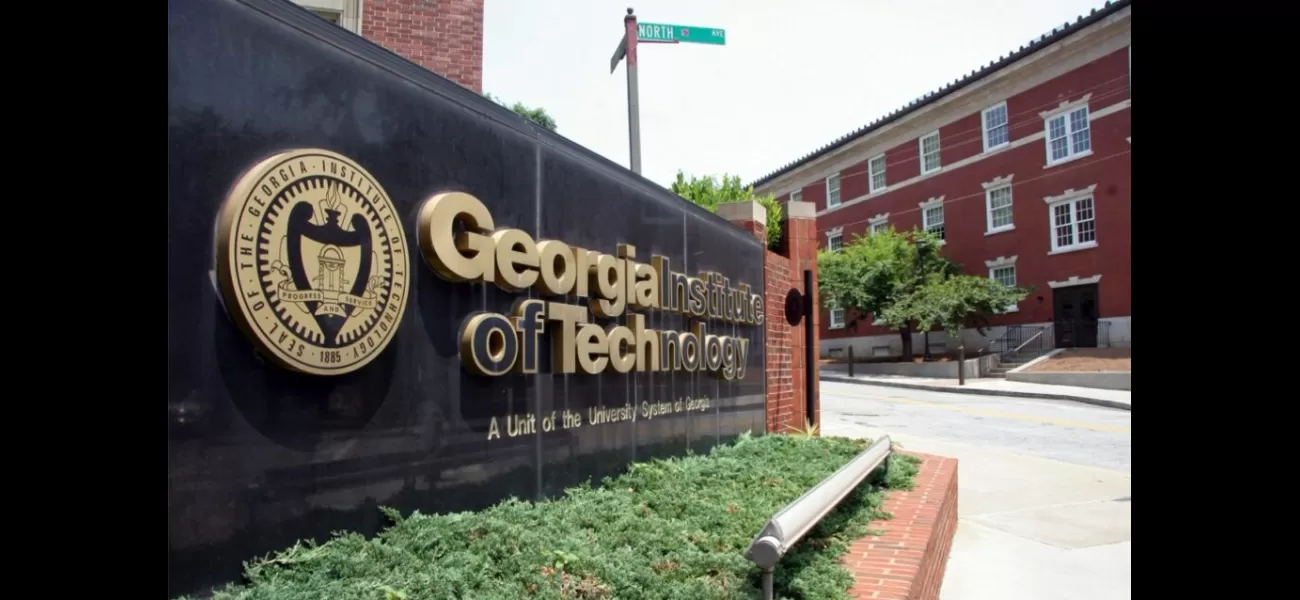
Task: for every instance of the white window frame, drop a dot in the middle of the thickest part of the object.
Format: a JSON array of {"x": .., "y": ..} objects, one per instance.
[
  {"x": 1067, "y": 111},
  {"x": 938, "y": 159},
  {"x": 343, "y": 13},
  {"x": 984, "y": 125},
  {"x": 1072, "y": 198},
  {"x": 832, "y": 320},
  {"x": 872, "y": 187},
  {"x": 999, "y": 263},
  {"x": 878, "y": 224},
  {"x": 796, "y": 196},
  {"x": 925, "y": 215},
  {"x": 836, "y": 234},
  {"x": 991, "y": 187},
  {"x": 839, "y": 197}
]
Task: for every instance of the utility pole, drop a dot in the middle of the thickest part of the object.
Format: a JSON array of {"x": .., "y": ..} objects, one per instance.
[{"x": 633, "y": 93}]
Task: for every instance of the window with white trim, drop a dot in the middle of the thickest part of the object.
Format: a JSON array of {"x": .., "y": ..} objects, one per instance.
[
  {"x": 837, "y": 318},
  {"x": 329, "y": 15},
  {"x": 796, "y": 196},
  {"x": 833, "y": 191},
  {"x": 876, "y": 170},
  {"x": 1074, "y": 223},
  {"x": 932, "y": 219},
  {"x": 1005, "y": 275},
  {"x": 344, "y": 13},
  {"x": 1068, "y": 135},
  {"x": 834, "y": 242},
  {"x": 878, "y": 223},
  {"x": 997, "y": 128},
  {"x": 930, "y": 153},
  {"x": 998, "y": 203}
]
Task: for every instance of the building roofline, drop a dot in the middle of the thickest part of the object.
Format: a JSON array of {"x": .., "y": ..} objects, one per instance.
[{"x": 1043, "y": 42}]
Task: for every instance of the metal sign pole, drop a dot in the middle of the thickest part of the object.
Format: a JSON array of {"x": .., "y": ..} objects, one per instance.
[{"x": 633, "y": 93}]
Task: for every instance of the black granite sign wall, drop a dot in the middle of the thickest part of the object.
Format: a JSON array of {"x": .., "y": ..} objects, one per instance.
[{"x": 260, "y": 455}]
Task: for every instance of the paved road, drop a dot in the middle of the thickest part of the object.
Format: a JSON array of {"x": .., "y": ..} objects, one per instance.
[
  {"x": 1045, "y": 486},
  {"x": 1057, "y": 429}
]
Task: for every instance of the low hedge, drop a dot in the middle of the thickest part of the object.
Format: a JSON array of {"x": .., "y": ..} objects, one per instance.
[{"x": 667, "y": 529}]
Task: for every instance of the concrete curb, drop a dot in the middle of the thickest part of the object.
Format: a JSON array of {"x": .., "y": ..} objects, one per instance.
[{"x": 982, "y": 392}]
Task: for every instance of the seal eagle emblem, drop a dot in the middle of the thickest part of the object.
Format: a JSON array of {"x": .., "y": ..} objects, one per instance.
[{"x": 312, "y": 261}]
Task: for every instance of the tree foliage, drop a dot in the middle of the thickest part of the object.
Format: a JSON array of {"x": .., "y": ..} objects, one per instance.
[
  {"x": 954, "y": 303},
  {"x": 871, "y": 273},
  {"x": 536, "y": 115},
  {"x": 710, "y": 191},
  {"x": 904, "y": 282}
]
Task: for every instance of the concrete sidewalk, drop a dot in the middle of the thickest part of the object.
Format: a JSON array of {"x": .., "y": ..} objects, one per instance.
[
  {"x": 1031, "y": 528},
  {"x": 988, "y": 386}
]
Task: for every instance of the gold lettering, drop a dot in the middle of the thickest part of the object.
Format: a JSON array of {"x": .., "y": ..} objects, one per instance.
[
  {"x": 646, "y": 286},
  {"x": 647, "y": 344},
  {"x": 515, "y": 249},
  {"x": 564, "y": 320},
  {"x": 592, "y": 348},
  {"x": 558, "y": 273},
  {"x": 607, "y": 278},
  {"x": 586, "y": 260},
  {"x": 622, "y": 350},
  {"x": 464, "y": 257}
]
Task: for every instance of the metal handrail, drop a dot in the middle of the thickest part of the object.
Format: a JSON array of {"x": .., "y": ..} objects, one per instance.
[
  {"x": 1031, "y": 338},
  {"x": 791, "y": 523}
]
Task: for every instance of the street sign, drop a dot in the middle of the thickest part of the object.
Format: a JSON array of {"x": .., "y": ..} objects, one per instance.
[
  {"x": 672, "y": 34},
  {"x": 619, "y": 53}
]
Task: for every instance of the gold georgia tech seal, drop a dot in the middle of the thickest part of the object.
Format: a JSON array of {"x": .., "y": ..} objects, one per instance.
[{"x": 312, "y": 261}]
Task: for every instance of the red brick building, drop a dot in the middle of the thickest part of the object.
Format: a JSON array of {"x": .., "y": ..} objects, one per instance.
[
  {"x": 443, "y": 36},
  {"x": 1023, "y": 166}
]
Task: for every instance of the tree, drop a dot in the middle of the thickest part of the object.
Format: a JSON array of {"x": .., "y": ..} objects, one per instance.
[
  {"x": 954, "y": 303},
  {"x": 708, "y": 192},
  {"x": 536, "y": 115},
  {"x": 872, "y": 273}
]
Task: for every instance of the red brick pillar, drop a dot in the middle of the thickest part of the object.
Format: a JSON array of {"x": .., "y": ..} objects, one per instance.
[
  {"x": 800, "y": 248},
  {"x": 782, "y": 272},
  {"x": 750, "y": 216}
]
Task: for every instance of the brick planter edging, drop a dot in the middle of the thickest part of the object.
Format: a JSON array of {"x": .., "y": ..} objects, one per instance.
[{"x": 907, "y": 562}]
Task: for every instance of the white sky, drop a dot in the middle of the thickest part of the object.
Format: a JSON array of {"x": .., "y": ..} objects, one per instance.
[{"x": 788, "y": 81}]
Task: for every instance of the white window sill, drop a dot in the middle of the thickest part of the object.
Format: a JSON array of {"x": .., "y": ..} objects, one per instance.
[
  {"x": 1000, "y": 230},
  {"x": 834, "y": 326},
  {"x": 997, "y": 147},
  {"x": 1011, "y": 309},
  {"x": 1074, "y": 248},
  {"x": 1069, "y": 159},
  {"x": 877, "y": 324},
  {"x": 830, "y": 206},
  {"x": 877, "y": 191},
  {"x": 931, "y": 172}
]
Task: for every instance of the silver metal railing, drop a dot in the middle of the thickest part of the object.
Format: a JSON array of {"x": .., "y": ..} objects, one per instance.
[{"x": 791, "y": 523}]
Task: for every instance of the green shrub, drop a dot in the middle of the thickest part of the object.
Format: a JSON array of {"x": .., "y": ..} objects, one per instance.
[{"x": 667, "y": 529}]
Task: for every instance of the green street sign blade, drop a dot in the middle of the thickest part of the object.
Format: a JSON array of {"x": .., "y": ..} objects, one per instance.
[{"x": 661, "y": 32}]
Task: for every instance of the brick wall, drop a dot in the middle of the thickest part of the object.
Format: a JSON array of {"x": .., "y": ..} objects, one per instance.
[
  {"x": 907, "y": 561},
  {"x": 444, "y": 36},
  {"x": 783, "y": 272}
]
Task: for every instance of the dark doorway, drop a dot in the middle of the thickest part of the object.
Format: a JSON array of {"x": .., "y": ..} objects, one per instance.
[{"x": 1074, "y": 309}]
